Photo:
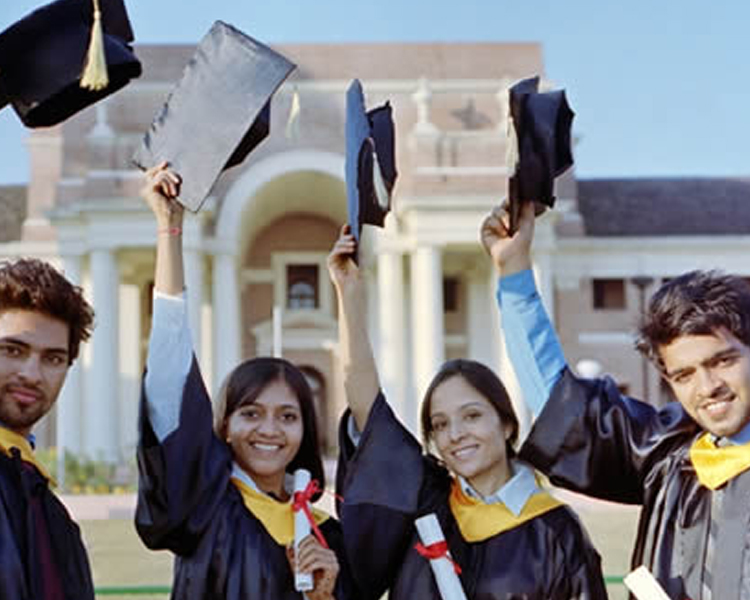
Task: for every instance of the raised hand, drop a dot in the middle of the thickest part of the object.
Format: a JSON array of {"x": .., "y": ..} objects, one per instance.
[
  {"x": 510, "y": 253},
  {"x": 321, "y": 562},
  {"x": 160, "y": 191},
  {"x": 344, "y": 272}
]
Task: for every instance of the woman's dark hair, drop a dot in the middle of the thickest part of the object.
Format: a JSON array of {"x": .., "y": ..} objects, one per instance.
[
  {"x": 248, "y": 380},
  {"x": 696, "y": 303},
  {"x": 484, "y": 381}
]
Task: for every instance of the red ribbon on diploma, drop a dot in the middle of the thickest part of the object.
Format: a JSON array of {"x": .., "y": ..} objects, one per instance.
[
  {"x": 437, "y": 550},
  {"x": 302, "y": 503}
]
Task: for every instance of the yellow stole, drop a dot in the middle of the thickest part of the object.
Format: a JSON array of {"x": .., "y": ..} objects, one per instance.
[
  {"x": 277, "y": 517},
  {"x": 10, "y": 439},
  {"x": 479, "y": 521},
  {"x": 717, "y": 465}
]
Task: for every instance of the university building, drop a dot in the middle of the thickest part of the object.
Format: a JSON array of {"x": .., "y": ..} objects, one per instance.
[{"x": 255, "y": 254}]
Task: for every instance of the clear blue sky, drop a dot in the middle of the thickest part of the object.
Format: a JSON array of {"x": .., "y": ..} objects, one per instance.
[{"x": 660, "y": 87}]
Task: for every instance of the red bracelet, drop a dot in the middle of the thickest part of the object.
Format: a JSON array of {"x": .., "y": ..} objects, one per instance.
[{"x": 170, "y": 231}]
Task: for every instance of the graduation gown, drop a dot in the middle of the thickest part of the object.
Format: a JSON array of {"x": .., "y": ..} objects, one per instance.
[
  {"x": 591, "y": 439},
  {"x": 21, "y": 574},
  {"x": 187, "y": 504},
  {"x": 387, "y": 483}
]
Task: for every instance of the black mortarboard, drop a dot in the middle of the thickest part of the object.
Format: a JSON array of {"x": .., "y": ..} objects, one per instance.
[
  {"x": 370, "y": 160},
  {"x": 218, "y": 112},
  {"x": 539, "y": 145},
  {"x": 43, "y": 55}
]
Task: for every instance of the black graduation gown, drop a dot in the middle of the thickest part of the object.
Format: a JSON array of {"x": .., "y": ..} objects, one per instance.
[
  {"x": 387, "y": 483},
  {"x": 20, "y": 576},
  {"x": 591, "y": 439},
  {"x": 187, "y": 504}
]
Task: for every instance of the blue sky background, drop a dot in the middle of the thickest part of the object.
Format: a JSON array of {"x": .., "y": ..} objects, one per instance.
[{"x": 660, "y": 87}]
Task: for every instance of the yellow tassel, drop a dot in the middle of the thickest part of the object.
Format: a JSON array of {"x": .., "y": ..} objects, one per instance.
[{"x": 95, "y": 75}]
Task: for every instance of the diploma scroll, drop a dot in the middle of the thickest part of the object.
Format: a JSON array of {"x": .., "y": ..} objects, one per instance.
[
  {"x": 303, "y": 582},
  {"x": 644, "y": 586},
  {"x": 443, "y": 566}
]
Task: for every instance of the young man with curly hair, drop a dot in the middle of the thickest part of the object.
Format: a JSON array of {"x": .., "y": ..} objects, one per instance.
[
  {"x": 688, "y": 464},
  {"x": 43, "y": 320}
]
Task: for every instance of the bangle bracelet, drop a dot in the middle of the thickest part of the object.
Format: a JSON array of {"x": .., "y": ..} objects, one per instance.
[{"x": 170, "y": 231}]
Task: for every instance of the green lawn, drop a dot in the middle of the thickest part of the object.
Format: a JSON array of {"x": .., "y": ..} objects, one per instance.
[{"x": 120, "y": 560}]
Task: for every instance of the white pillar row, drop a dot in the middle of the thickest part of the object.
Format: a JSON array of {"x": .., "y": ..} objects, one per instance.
[
  {"x": 392, "y": 348},
  {"x": 131, "y": 369},
  {"x": 101, "y": 440},
  {"x": 68, "y": 422},
  {"x": 506, "y": 371},
  {"x": 427, "y": 315},
  {"x": 194, "y": 274},
  {"x": 481, "y": 344},
  {"x": 227, "y": 322}
]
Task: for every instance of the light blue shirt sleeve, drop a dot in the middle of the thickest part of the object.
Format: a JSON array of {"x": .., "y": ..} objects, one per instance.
[
  {"x": 170, "y": 356},
  {"x": 533, "y": 346}
]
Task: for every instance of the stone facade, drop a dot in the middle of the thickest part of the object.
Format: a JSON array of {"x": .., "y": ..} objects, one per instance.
[{"x": 255, "y": 255}]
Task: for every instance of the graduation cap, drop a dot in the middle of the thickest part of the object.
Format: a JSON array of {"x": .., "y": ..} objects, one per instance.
[
  {"x": 538, "y": 145},
  {"x": 218, "y": 112},
  {"x": 64, "y": 57},
  {"x": 370, "y": 160}
]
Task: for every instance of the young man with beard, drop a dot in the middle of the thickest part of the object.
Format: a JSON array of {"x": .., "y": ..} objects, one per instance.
[
  {"x": 688, "y": 464},
  {"x": 43, "y": 320}
]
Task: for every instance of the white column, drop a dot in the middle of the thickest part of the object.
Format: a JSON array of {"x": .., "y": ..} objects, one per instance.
[
  {"x": 101, "y": 441},
  {"x": 131, "y": 368},
  {"x": 505, "y": 370},
  {"x": 194, "y": 274},
  {"x": 227, "y": 322},
  {"x": 391, "y": 350},
  {"x": 427, "y": 314},
  {"x": 68, "y": 432},
  {"x": 480, "y": 305}
]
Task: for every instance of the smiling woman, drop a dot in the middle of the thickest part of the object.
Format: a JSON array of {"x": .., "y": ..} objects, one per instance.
[
  {"x": 509, "y": 538},
  {"x": 467, "y": 415},
  {"x": 266, "y": 415},
  {"x": 220, "y": 498}
]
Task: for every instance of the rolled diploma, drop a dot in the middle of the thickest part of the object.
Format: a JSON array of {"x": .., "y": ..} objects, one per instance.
[
  {"x": 303, "y": 582},
  {"x": 445, "y": 575},
  {"x": 644, "y": 586}
]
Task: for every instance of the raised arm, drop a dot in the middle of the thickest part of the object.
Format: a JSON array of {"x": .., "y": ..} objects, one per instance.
[
  {"x": 182, "y": 465},
  {"x": 170, "y": 348},
  {"x": 587, "y": 437},
  {"x": 160, "y": 191},
  {"x": 360, "y": 373},
  {"x": 532, "y": 343}
]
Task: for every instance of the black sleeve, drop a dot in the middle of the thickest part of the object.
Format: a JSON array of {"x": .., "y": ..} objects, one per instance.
[
  {"x": 592, "y": 439},
  {"x": 346, "y": 587},
  {"x": 380, "y": 480},
  {"x": 578, "y": 568},
  {"x": 182, "y": 479}
]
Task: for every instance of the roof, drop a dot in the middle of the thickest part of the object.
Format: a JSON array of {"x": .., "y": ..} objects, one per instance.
[
  {"x": 12, "y": 211},
  {"x": 664, "y": 206}
]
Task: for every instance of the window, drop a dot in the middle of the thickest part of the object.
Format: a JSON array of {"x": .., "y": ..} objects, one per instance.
[
  {"x": 609, "y": 294},
  {"x": 302, "y": 287},
  {"x": 450, "y": 294}
]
